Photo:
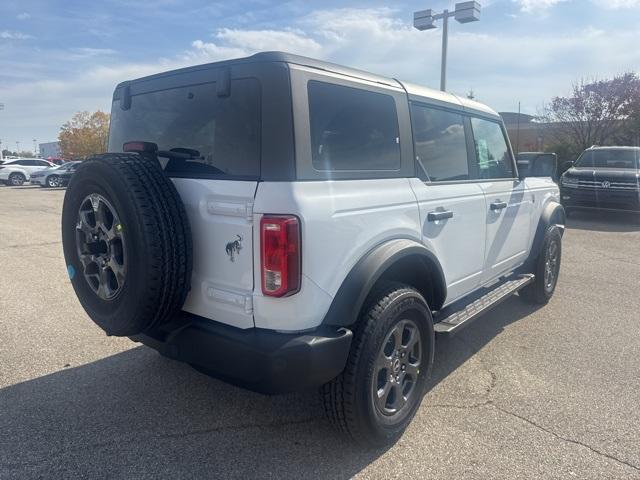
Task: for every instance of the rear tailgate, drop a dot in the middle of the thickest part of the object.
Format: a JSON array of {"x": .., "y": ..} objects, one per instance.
[{"x": 220, "y": 213}]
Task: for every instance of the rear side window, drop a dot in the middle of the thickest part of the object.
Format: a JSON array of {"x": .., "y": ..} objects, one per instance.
[
  {"x": 221, "y": 133},
  {"x": 492, "y": 152},
  {"x": 352, "y": 129},
  {"x": 440, "y": 144}
]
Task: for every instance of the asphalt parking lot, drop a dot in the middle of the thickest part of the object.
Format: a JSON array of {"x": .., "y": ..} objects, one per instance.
[{"x": 523, "y": 393}]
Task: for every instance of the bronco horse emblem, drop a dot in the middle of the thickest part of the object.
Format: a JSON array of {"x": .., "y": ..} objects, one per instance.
[{"x": 233, "y": 248}]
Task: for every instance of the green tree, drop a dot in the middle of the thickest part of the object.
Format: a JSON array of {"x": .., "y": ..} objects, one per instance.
[{"x": 84, "y": 135}]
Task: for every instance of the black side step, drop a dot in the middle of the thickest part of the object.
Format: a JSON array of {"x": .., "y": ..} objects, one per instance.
[{"x": 457, "y": 315}]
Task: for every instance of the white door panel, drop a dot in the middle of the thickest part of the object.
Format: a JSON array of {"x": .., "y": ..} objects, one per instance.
[
  {"x": 221, "y": 217},
  {"x": 509, "y": 208},
  {"x": 459, "y": 241}
]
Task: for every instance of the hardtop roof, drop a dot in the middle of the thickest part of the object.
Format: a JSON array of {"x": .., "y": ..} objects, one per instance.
[{"x": 413, "y": 90}]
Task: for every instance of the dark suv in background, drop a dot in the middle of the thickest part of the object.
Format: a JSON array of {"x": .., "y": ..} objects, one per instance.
[{"x": 606, "y": 178}]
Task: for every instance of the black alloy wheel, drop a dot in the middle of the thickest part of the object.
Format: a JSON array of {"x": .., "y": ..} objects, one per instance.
[{"x": 101, "y": 246}]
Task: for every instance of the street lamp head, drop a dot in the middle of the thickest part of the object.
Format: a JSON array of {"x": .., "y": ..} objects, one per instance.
[
  {"x": 467, "y": 12},
  {"x": 423, "y": 20}
]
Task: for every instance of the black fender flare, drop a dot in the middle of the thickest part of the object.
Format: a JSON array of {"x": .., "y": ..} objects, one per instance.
[
  {"x": 552, "y": 214},
  {"x": 357, "y": 285}
]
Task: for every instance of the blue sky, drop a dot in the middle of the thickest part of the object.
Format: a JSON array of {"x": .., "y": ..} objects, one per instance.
[{"x": 58, "y": 57}]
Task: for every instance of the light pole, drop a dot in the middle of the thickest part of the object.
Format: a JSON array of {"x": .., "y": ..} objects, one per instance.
[
  {"x": 35, "y": 152},
  {"x": 18, "y": 148},
  {"x": 464, "y": 12}
]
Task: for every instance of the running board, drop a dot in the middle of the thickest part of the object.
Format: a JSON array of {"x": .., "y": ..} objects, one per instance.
[{"x": 453, "y": 318}]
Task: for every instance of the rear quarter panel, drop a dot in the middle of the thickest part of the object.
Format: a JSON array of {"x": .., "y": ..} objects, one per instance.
[{"x": 340, "y": 222}]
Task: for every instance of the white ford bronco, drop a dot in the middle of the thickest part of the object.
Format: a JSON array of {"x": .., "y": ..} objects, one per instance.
[{"x": 285, "y": 223}]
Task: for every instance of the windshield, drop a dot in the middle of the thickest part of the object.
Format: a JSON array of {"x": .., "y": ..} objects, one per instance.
[{"x": 609, "y": 158}]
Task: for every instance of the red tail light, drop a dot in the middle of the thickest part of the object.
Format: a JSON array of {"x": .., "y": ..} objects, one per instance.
[{"x": 280, "y": 255}]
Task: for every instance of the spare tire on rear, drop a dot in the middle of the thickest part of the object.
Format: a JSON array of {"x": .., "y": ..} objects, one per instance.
[{"x": 127, "y": 242}]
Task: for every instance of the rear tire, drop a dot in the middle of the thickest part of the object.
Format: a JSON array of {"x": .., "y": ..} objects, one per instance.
[
  {"x": 377, "y": 395},
  {"x": 127, "y": 243},
  {"x": 17, "y": 179},
  {"x": 546, "y": 268}
]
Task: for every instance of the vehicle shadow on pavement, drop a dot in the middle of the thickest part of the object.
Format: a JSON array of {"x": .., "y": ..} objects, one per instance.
[
  {"x": 137, "y": 414},
  {"x": 604, "y": 221},
  {"x": 452, "y": 352}
]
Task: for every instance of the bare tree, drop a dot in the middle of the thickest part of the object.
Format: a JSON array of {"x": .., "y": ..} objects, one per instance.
[{"x": 596, "y": 113}]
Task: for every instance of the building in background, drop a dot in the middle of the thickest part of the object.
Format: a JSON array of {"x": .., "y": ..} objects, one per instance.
[
  {"x": 50, "y": 150},
  {"x": 526, "y": 135}
]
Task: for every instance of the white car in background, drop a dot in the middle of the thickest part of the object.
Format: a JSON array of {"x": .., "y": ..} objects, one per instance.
[{"x": 17, "y": 172}]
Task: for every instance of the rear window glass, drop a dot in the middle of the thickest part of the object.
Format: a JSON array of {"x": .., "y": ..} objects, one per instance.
[
  {"x": 440, "y": 144},
  {"x": 609, "y": 158},
  {"x": 222, "y": 133},
  {"x": 352, "y": 129}
]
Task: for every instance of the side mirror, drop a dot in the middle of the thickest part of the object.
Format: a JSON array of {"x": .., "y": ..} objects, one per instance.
[
  {"x": 544, "y": 165},
  {"x": 567, "y": 165}
]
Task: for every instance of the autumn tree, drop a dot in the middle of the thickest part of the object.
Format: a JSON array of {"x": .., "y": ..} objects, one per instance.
[
  {"x": 85, "y": 134},
  {"x": 600, "y": 112}
]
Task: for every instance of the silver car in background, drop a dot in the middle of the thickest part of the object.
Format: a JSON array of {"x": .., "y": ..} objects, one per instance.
[{"x": 57, "y": 176}]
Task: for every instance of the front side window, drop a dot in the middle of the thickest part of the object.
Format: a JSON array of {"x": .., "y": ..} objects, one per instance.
[
  {"x": 221, "y": 135},
  {"x": 440, "y": 144},
  {"x": 352, "y": 129},
  {"x": 492, "y": 151}
]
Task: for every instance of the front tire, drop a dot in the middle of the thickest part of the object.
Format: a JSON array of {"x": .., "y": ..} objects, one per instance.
[
  {"x": 546, "y": 268},
  {"x": 377, "y": 395},
  {"x": 53, "y": 181}
]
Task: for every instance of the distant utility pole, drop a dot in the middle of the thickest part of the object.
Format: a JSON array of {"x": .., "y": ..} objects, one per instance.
[
  {"x": 18, "y": 147},
  {"x": 464, "y": 12},
  {"x": 35, "y": 147}
]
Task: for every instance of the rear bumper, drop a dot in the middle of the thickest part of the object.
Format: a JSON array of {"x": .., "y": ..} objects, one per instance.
[{"x": 261, "y": 360}]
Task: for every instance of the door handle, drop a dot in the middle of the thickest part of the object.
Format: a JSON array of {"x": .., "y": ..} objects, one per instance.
[
  {"x": 498, "y": 205},
  {"x": 439, "y": 215}
]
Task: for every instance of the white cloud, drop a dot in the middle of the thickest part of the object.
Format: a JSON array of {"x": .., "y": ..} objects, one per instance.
[
  {"x": 23, "y": 16},
  {"x": 618, "y": 4},
  {"x": 9, "y": 35},
  {"x": 87, "y": 52},
  {"x": 537, "y": 5},
  {"x": 502, "y": 68},
  {"x": 232, "y": 43}
]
